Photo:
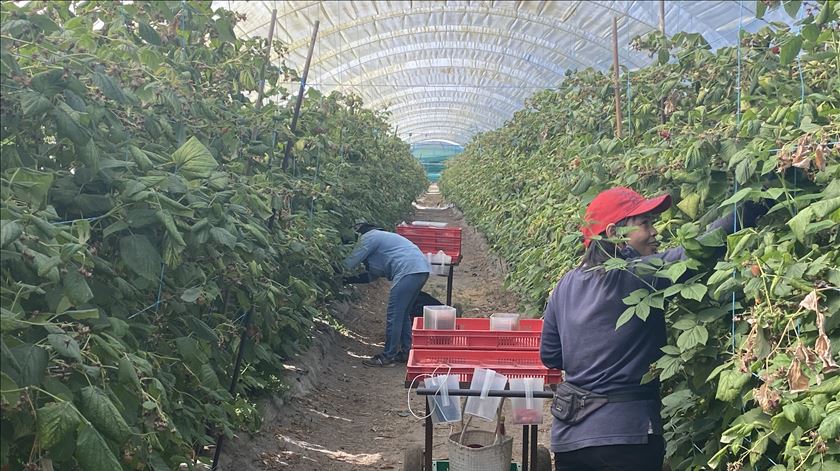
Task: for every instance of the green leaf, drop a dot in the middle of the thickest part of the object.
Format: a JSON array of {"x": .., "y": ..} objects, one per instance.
[
  {"x": 65, "y": 345},
  {"x": 149, "y": 34},
  {"x": 823, "y": 208},
  {"x": 31, "y": 186},
  {"x": 663, "y": 55},
  {"x": 684, "y": 324},
  {"x": 208, "y": 377},
  {"x": 103, "y": 414},
  {"x": 792, "y": 7},
  {"x": 796, "y": 413},
  {"x": 8, "y": 389},
  {"x": 799, "y": 223},
  {"x": 193, "y": 160},
  {"x": 69, "y": 126},
  {"x": 830, "y": 426},
  {"x": 76, "y": 288},
  {"x": 694, "y": 291},
  {"x": 643, "y": 309},
  {"x": 829, "y": 386},
  {"x": 168, "y": 222},
  {"x": 83, "y": 314},
  {"x": 190, "y": 295},
  {"x": 49, "y": 83},
  {"x": 690, "y": 205},
  {"x": 789, "y": 50},
  {"x": 222, "y": 236},
  {"x": 625, "y": 316},
  {"x": 810, "y": 32},
  {"x": 670, "y": 365},
  {"x": 715, "y": 238},
  {"x": 741, "y": 195},
  {"x": 673, "y": 272},
  {"x": 730, "y": 384},
  {"x": 760, "y": 10},
  {"x": 56, "y": 421},
  {"x": 10, "y": 231},
  {"x": 33, "y": 364},
  {"x": 110, "y": 88},
  {"x": 93, "y": 453},
  {"x": 34, "y": 104},
  {"x": 225, "y": 30},
  {"x": 127, "y": 374},
  {"x": 697, "y": 335},
  {"x": 140, "y": 256}
]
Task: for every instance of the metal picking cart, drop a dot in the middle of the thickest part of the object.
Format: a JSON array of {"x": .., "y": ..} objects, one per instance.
[{"x": 472, "y": 344}]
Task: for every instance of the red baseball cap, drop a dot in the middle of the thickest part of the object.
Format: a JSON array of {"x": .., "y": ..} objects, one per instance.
[{"x": 616, "y": 204}]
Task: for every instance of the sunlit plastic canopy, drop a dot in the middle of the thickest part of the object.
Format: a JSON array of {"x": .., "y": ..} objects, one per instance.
[{"x": 448, "y": 70}]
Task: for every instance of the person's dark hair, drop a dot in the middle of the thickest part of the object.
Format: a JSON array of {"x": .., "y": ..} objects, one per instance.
[
  {"x": 601, "y": 250},
  {"x": 366, "y": 227}
]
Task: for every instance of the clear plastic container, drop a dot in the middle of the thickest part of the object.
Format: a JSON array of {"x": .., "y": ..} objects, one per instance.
[
  {"x": 429, "y": 224},
  {"x": 504, "y": 321},
  {"x": 439, "y": 317},
  {"x": 484, "y": 406},
  {"x": 527, "y": 410},
  {"x": 445, "y": 408}
]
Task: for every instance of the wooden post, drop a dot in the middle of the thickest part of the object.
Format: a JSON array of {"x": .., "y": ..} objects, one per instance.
[
  {"x": 293, "y": 126},
  {"x": 261, "y": 86},
  {"x": 615, "y": 79},
  {"x": 662, "y": 17}
]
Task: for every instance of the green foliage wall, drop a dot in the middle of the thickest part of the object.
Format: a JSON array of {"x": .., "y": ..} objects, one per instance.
[
  {"x": 757, "y": 393},
  {"x": 144, "y": 211}
]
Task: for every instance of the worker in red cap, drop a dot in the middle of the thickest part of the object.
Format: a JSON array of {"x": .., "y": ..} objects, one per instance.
[{"x": 604, "y": 418}]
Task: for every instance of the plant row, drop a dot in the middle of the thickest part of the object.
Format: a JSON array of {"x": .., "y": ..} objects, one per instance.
[
  {"x": 147, "y": 221},
  {"x": 750, "y": 370}
]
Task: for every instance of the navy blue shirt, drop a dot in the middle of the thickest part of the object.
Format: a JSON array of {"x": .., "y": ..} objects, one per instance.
[{"x": 579, "y": 337}]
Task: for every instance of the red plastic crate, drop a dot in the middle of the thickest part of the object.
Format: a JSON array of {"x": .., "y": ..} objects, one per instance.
[
  {"x": 433, "y": 239},
  {"x": 475, "y": 334},
  {"x": 513, "y": 364}
]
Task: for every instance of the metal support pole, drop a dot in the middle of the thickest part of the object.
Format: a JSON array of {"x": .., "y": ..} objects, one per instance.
[
  {"x": 662, "y": 17},
  {"x": 427, "y": 449},
  {"x": 525, "y": 440},
  {"x": 449, "y": 285},
  {"x": 233, "y": 380},
  {"x": 534, "y": 431},
  {"x": 261, "y": 87},
  {"x": 293, "y": 126},
  {"x": 615, "y": 78}
]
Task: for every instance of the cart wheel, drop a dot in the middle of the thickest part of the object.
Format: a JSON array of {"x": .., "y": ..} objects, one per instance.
[
  {"x": 413, "y": 459},
  {"x": 543, "y": 459}
]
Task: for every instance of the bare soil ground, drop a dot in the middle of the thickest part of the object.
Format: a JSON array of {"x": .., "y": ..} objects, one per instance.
[{"x": 344, "y": 416}]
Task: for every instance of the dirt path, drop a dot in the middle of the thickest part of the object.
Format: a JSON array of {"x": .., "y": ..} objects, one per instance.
[{"x": 352, "y": 417}]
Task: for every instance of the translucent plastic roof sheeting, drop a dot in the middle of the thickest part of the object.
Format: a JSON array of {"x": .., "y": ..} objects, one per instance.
[{"x": 447, "y": 70}]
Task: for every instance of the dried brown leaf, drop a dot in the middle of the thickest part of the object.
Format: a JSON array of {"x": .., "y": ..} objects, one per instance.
[
  {"x": 797, "y": 380},
  {"x": 805, "y": 354},
  {"x": 803, "y": 163},
  {"x": 819, "y": 156},
  {"x": 768, "y": 398},
  {"x": 811, "y": 301},
  {"x": 822, "y": 347}
]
